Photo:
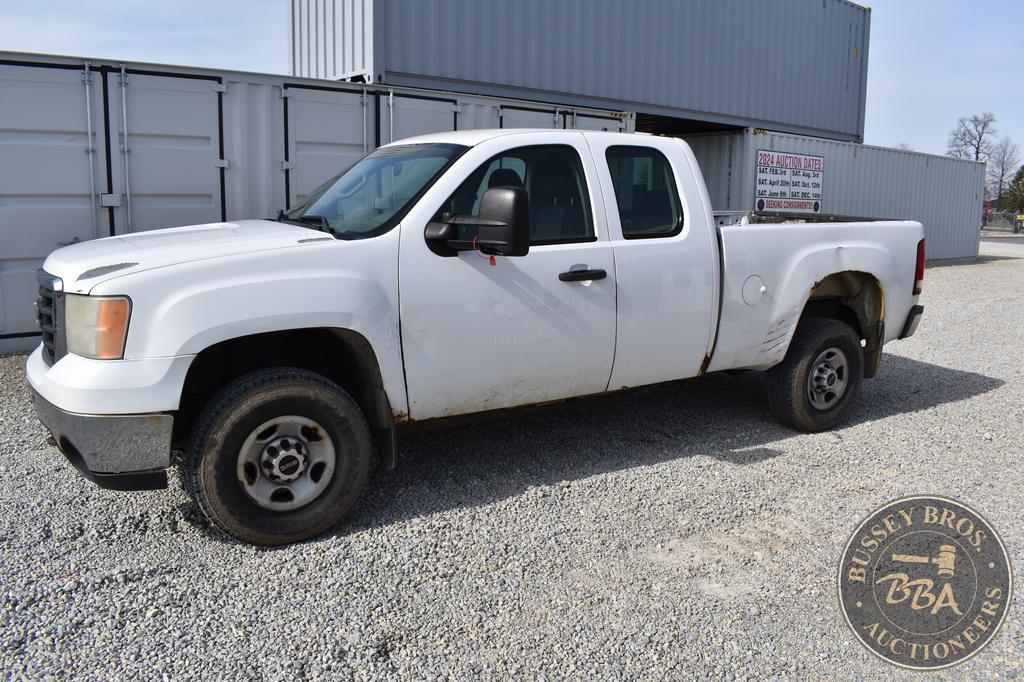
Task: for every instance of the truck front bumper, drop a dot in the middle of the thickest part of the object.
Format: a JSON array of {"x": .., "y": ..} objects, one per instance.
[
  {"x": 111, "y": 418},
  {"x": 119, "y": 452}
]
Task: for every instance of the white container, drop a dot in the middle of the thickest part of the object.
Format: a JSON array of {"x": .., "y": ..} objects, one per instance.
[{"x": 203, "y": 145}]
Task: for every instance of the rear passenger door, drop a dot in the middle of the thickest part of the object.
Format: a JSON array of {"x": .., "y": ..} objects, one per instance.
[{"x": 665, "y": 272}]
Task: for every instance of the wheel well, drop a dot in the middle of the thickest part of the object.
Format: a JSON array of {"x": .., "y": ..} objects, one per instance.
[
  {"x": 343, "y": 356},
  {"x": 852, "y": 297}
]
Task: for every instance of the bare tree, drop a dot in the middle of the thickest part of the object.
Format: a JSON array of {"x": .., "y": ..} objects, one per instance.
[
  {"x": 1002, "y": 164},
  {"x": 972, "y": 137}
]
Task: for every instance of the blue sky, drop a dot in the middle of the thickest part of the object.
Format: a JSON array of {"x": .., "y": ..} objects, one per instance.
[{"x": 931, "y": 61}]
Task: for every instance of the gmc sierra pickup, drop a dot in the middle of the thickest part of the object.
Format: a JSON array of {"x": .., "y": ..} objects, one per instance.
[{"x": 442, "y": 275}]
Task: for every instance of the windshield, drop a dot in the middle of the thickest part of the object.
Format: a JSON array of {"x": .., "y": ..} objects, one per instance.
[{"x": 372, "y": 196}]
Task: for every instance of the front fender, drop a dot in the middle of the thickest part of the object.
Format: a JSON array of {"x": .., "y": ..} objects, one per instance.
[{"x": 182, "y": 309}]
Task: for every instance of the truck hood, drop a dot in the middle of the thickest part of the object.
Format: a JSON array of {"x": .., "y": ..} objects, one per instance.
[{"x": 83, "y": 266}]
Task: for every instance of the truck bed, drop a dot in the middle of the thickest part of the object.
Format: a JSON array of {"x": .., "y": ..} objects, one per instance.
[{"x": 769, "y": 272}]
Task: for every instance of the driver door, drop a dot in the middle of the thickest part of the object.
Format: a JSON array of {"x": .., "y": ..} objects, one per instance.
[{"x": 477, "y": 336}]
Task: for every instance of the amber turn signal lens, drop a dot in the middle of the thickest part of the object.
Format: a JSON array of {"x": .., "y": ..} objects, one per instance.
[{"x": 111, "y": 323}]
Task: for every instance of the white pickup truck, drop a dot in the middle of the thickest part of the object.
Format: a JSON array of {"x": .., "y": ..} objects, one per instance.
[{"x": 442, "y": 275}]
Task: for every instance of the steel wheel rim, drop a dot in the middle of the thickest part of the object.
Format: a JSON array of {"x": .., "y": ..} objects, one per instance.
[
  {"x": 286, "y": 462},
  {"x": 828, "y": 379}
]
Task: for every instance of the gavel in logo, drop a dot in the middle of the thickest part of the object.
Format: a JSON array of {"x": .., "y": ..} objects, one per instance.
[{"x": 945, "y": 560}]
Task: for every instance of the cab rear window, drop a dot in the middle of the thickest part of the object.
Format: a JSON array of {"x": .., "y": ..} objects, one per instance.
[{"x": 645, "y": 191}]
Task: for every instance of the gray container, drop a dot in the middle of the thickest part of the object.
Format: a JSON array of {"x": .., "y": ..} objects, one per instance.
[
  {"x": 856, "y": 181},
  {"x": 205, "y": 145},
  {"x": 792, "y": 65}
]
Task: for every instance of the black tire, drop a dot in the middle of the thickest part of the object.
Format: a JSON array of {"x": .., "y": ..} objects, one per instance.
[
  {"x": 788, "y": 392},
  {"x": 232, "y": 415}
]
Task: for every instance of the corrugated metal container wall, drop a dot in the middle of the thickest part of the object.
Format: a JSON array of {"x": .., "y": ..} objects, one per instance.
[
  {"x": 793, "y": 65},
  {"x": 331, "y": 36},
  {"x": 943, "y": 193},
  {"x": 205, "y": 146}
]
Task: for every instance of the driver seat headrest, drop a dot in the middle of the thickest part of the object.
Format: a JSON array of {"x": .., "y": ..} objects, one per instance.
[{"x": 504, "y": 177}]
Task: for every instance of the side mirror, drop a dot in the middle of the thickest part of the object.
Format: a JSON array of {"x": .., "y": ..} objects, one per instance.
[{"x": 504, "y": 226}]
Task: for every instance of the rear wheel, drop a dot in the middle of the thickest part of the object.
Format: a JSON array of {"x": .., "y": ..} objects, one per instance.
[
  {"x": 817, "y": 384},
  {"x": 279, "y": 456}
]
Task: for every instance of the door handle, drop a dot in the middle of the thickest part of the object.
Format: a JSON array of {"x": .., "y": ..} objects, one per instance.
[{"x": 581, "y": 275}]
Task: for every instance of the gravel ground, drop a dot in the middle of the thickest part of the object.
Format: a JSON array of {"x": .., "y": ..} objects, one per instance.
[{"x": 667, "y": 533}]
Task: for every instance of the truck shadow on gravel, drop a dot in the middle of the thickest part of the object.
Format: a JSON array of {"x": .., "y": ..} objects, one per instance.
[{"x": 722, "y": 416}]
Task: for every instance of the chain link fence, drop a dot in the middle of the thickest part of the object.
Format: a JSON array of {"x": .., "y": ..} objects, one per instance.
[{"x": 1004, "y": 221}]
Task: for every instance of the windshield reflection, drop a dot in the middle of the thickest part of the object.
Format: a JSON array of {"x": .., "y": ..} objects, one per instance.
[{"x": 372, "y": 196}]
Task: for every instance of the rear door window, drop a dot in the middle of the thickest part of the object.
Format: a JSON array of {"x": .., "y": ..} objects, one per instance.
[{"x": 645, "y": 191}]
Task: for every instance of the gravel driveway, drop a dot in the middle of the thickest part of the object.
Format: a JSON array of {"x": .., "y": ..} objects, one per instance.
[{"x": 671, "y": 532}]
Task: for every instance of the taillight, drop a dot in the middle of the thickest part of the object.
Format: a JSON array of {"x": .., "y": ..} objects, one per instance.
[{"x": 919, "y": 269}]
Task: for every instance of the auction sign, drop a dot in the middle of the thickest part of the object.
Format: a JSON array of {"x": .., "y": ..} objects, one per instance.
[{"x": 788, "y": 183}]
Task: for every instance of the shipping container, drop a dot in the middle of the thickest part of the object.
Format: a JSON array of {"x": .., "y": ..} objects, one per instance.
[
  {"x": 797, "y": 66},
  {"x": 776, "y": 173},
  {"x": 203, "y": 145}
]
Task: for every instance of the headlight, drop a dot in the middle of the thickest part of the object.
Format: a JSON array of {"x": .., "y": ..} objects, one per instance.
[{"x": 97, "y": 325}]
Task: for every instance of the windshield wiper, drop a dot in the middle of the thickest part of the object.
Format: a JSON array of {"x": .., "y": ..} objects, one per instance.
[
  {"x": 282, "y": 217},
  {"x": 320, "y": 221}
]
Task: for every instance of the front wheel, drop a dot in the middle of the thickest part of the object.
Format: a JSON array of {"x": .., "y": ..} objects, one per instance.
[
  {"x": 817, "y": 384},
  {"x": 279, "y": 456}
]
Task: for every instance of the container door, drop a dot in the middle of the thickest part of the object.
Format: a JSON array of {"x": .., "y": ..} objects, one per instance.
[
  {"x": 45, "y": 182},
  {"x": 517, "y": 117},
  {"x": 477, "y": 114},
  {"x": 582, "y": 122},
  {"x": 174, "y": 168},
  {"x": 414, "y": 115},
  {"x": 327, "y": 131}
]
